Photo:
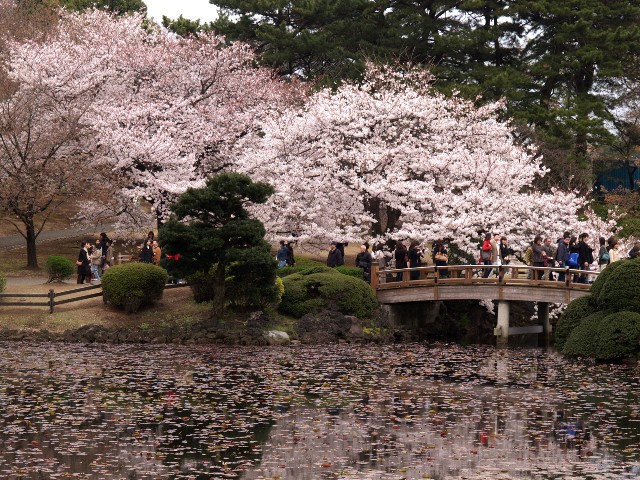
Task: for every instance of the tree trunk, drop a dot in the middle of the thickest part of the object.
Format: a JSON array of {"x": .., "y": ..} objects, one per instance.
[
  {"x": 218, "y": 294},
  {"x": 32, "y": 258}
]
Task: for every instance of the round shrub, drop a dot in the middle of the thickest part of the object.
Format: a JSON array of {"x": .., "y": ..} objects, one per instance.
[
  {"x": 602, "y": 278},
  {"x": 201, "y": 285},
  {"x": 621, "y": 287},
  {"x": 322, "y": 287},
  {"x": 3, "y": 282},
  {"x": 59, "y": 268},
  {"x": 251, "y": 279},
  {"x": 133, "y": 285},
  {"x": 573, "y": 315},
  {"x": 618, "y": 336},
  {"x": 583, "y": 340}
]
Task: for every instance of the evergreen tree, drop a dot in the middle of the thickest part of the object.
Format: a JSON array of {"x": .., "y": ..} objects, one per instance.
[{"x": 211, "y": 226}]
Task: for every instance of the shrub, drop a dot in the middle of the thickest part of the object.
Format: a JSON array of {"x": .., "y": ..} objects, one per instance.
[
  {"x": 602, "y": 278},
  {"x": 251, "y": 280},
  {"x": 3, "y": 282},
  {"x": 351, "y": 271},
  {"x": 583, "y": 340},
  {"x": 59, "y": 268},
  {"x": 320, "y": 287},
  {"x": 618, "y": 336},
  {"x": 573, "y": 315},
  {"x": 621, "y": 287},
  {"x": 201, "y": 285},
  {"x": 133, "y": 285}
]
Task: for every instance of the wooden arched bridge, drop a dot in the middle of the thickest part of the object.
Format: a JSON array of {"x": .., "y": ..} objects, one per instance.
[{"x": 505, "y": 283}]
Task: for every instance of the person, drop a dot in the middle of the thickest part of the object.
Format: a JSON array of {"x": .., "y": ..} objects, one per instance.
[
  {"x": 378, "y": 255},
  {"x": 104, "y": 247},
  {"x": 291, "y": 261},
  {"x": 281, "y": 256},
  {"x": 400, "y": 255},
  {"x": 415, "y": 260},
  {"x": 83, "y": 263},
  {"x": 539, "y": 256},
  {"x": 151, "y": 236},
  {"x": 635, "y": 251},
  {"x": 585, "y": 256},
  {"x": 157, "y": 253},
  {"x": 440, "y": 257},
  {"x": 334, "y": 258},
  {"x": 573, "y": 248},
  {"x": 485, "y": 254},
  {"x": 495, "y": 252},
  {"x": 603, "y": 254},
  {"x": 505, "y": 251},
  {"x": 340, "y": 246},
  {"x": 549, "y": 259},
  {"x": 562, "y": 255},
  {"x": 95, "y": 253},
  {"x": 612, "y": 248},
  {"x": 108, "y": 256},
  {"x": 146, "y": 254},
  {"x": 364, "y": 261}
]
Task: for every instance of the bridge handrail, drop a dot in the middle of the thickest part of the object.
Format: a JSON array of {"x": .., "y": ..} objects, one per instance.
[{"x": 430, "y": 275}]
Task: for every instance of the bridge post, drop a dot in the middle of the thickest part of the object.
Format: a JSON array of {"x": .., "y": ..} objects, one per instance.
[
  {"x": 374, "y": 278},
  {"x": 502, "y": 328},
  {"x": 543, "y": 315}
]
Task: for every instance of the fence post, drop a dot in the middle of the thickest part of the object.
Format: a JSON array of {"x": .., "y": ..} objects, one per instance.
[{"x": 52, "y": 300}]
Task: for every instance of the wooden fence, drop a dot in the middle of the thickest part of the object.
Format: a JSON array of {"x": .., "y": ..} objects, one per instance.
[{"x": 52, "y": 297}]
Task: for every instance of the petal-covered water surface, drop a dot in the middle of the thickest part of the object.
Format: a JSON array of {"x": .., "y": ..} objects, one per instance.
[{"x": 339, "y": 411}]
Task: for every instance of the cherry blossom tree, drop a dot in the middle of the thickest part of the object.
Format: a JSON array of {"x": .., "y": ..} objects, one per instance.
[{"x": 390, "y": 158}]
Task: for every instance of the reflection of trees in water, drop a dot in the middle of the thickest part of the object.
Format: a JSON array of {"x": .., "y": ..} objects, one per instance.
[{"x": 391, "y": 411}]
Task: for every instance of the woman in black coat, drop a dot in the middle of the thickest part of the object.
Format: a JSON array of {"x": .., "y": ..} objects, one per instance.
[
  {"x": 84, "y": 263},
  {"x": 146, "y": 255},
  {"x": 401, "y": 257}
]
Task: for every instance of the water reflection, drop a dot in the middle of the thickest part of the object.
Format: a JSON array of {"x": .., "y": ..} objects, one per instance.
[{"x": 386, "y": 412}]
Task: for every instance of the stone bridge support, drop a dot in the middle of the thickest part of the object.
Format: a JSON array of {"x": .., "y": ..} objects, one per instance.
[{"x": 503, "y": 328}]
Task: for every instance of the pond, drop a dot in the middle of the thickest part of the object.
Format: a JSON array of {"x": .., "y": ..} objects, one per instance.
[{"x": 343, "y": 411}]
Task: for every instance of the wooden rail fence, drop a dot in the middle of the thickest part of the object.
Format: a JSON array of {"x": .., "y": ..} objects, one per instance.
[{"x": 52, "y": 297}]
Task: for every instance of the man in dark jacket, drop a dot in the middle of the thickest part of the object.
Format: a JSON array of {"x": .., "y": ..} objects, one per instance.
[
  {"x": 334, "y": 259},
  {"x": 364, "y": 261},
  {"x": 562, "y": 255},
  {"x": 585, "y": 256}
]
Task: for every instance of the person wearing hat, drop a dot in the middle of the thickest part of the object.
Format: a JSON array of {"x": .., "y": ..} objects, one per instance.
[{"x": 334, "y": 259}]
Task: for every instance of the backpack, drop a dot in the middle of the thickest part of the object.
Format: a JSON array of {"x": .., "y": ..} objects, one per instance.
[{"x": 573, "y": 260}]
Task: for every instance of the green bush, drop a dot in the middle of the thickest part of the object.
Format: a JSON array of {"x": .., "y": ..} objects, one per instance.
[
  {"x": 351, "y": 271},
  {"x": 573, "y": 315},
  {"x": 133, "y": 285},
  {"x": 621, "y": 287},
  {"x": 59, "y": 268},
  {"x": 618, "y": 336},
  {"x": 251, "y": 280},
  {"x": 602, "y": 278},
  {"x": 320, "y": 287},
  {"x": 3, "y": 282},
  {"x": 583, "y": 340},
  {"x": 201, "y": 285}
]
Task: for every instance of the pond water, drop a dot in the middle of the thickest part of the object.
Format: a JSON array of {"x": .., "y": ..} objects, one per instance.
[{"x": 343, "y": 411}]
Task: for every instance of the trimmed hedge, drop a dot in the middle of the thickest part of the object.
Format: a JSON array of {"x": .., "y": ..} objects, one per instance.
[
  {"x": 3, "y": 282},
  {"x": 320, "y": 287},
  {"x": 201, "y": 285},
  {"x": 621, "y": 288},
  {"x": 573, "y": 315},
  {"x": 351, "y": 271},
  {"x": 583, "y": 340},
  {"x": 618, "y": 336},
  {"x": 132, "y": 285},
  {"x": 59, "y": 268},
  {"x": 603, "y": 276}
]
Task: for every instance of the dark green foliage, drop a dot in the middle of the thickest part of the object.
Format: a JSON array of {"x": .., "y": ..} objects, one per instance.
[
  {"x": 3, "y": 282},
  {"x": 583, "y": 340},
  {"x": 351, "y": 271},
  {"x": 618, "y": 336},
  {"x": 621, "y": 289},
  {"x": 211, "y": 226},
  {"x": 132, "y": 285},
  {"x": 321, "y": 287},
  {"x": 573, "y": 316},
  {"x": 601, "y": 280},
  {"x": 59, "y": 268},
  {"x": 115, "y": 6},
  {"x": 251, "y": 279},
  {"x": 201, "y": 284}
]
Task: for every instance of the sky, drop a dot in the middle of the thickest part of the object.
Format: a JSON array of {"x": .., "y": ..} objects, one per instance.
[{"x": 191, "y": 9}]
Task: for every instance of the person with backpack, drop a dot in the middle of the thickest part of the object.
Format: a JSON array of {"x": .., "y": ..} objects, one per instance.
[
  {"x": 562, "y": 255},
  {"x": 603, "y": 255}
]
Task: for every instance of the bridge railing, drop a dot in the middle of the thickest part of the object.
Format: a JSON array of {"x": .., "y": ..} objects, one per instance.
[{"x": 382, "y": 279}]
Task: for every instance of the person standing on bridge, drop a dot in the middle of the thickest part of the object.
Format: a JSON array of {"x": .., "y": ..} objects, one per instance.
[
  {"x": 549, "y": 259},
  {"x": 485, "y": 254},
  {"x": 585, "y": 256},
  {"x": 562, "y": 255},
  {"x": 539, "y": 257},
  {"x": 415, "y": 259},
  {"x": 401, "y": 257}
]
